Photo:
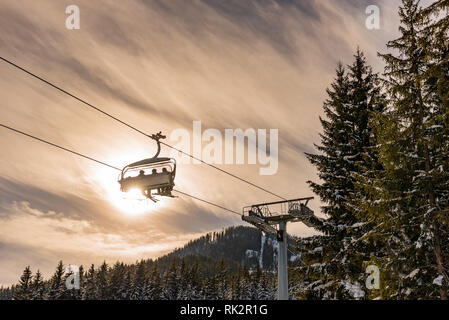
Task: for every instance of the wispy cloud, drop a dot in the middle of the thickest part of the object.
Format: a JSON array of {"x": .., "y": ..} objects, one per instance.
[{"x": 158, "y": 65}]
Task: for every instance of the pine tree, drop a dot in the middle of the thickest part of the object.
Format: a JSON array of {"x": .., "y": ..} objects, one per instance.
[
  {"x": 24, "y": 290},
  {"x": 57, "y": 285},
  {"x": 6, "y": 293},
  {"x": 410, "y": 196},
  {"x": 194, "y": 281},
  {"x": 265, "y": 288},
  {"x": 437, "y": 85},
  {"x": 222, "y": 280},
  {"x": 245, "y": 284},
  {"x": 334, "y": 262},
  {"x": 255, "y": 281},
  {"x": 102, "y": 282},
  {"x": 89, "y": 291},
  {"x": 37, "y": 287},
  {"x": 127, "y": 285},
  {"x": 140, "y": 286},
  {"x": 236, "y": 286},
  {"x": 155, "y": 284},
  {"x": 79, "y": 292},
  {"x": 209, "y": 288},
  {"x": 184, "y": 289},
  {"x": 172, "y": 287},
  {"x": 119, "y": 285}
]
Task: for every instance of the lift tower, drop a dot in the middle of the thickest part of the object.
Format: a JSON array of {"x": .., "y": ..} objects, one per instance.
[{"x": 265, "y": 216}]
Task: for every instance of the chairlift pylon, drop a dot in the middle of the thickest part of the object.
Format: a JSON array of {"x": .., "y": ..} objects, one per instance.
[{"x": 153, "y": 177}]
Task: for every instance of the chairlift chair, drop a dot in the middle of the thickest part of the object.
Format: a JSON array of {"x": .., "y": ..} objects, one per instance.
[{"x": 154, "y": 176}]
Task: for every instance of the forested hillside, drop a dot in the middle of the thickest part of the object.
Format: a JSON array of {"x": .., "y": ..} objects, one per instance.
[
  {"x": 243, "y": 245},
  {"x": 219, "y": 265}
]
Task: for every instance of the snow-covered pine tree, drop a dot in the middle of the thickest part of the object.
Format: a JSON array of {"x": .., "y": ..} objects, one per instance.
[
  {"x": 245, "y": 284},
  {"x": 57, "y": 286},
  {"x": 6, "y": 293},
  {"x": 24, "y": 290},
  {"x": 236, "y": 285},
  {"x": 209, "y": 289},
  {"x": 172, "y": 287},
  {"x": 155, "y": 284},
  {"x": 334, "y": 176},
  {"x": 118, "y": 285},
  {"x": 89, "y": 291},
  {"x": 255, "y": 277},
  {"x": 82, "y": 280},
  {"x": 367, "y": 92},
  {"x": 334, "y": 261},
  {"x": 102, "y": 282},
  {"x": 184, "y": 291},
  {"x": 265, "y": 288},
  {"x": 140, "y": 286},
  {"x": 37, "y": 287},
  {"x": 410, "y": 197},
  {"x": 194, "y": 281},
  {"x": 127, "y": 284},
  {"x": 222, "y": 280},
  {"x": 437, "y": 84}
]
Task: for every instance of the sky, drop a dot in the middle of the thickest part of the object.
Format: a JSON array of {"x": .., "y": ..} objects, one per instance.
[{"x": 159, "y": 65}]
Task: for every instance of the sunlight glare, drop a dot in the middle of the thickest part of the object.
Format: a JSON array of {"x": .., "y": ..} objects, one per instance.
[{"x": 131, "y": 203}]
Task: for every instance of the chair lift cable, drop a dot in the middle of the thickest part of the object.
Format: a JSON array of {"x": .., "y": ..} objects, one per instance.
[
  {"x": 134, "y": 128},
  {"x": 112, "y": 167},
  {"x": 105, "y": 164}
]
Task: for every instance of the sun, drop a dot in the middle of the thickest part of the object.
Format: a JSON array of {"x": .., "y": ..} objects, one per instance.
[{"x": 132, "y": 203}]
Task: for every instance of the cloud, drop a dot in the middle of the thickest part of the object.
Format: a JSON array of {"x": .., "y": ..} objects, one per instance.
[
  {"x": 159, "y": 65},
  {"x": 31, "y": 236},
  {"x": 42, "y": 199}
]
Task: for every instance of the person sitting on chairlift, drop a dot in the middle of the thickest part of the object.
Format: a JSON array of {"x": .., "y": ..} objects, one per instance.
[{"x": 141, "y": 174}]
